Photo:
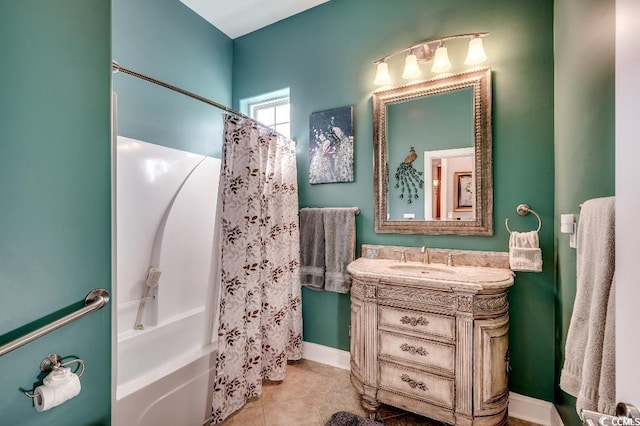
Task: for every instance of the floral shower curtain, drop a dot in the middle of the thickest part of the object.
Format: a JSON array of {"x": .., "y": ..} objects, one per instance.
[{"x": 260, "y": 303}]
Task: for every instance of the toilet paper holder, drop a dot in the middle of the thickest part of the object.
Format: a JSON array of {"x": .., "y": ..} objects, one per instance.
[{"x": 54, "y": 361}]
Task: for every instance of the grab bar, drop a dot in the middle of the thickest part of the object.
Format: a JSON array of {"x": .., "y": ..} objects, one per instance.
[{"x": 95, "y": 300}]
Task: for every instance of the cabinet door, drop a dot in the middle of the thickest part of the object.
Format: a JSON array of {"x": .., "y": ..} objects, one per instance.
[{"x": 491, "y": 343}]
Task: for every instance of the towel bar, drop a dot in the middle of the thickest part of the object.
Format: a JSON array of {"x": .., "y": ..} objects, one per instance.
[
  {"x": 523, "y": 210},
  {"x": 95, "y": 300},
  {"x": 356, "y": 210}
]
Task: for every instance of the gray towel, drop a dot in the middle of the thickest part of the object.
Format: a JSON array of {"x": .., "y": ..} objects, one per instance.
[
  {"x": 589, "y": 366},
  {"x": 340, "y": 247},
  {"x": 312, "y": 248}
]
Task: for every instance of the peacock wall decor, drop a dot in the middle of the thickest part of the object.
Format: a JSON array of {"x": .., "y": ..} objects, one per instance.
[
  {"x": 408, "y": 179},
  {"x": 331, "y": 145}
]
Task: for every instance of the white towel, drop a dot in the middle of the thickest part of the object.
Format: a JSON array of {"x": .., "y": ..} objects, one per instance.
[
  {"x": 524, "y": 252},
  {"x": 589, "y": 366}
]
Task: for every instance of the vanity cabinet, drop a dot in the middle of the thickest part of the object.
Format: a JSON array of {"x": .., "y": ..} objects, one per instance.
[{"x": 432, "y": 340}]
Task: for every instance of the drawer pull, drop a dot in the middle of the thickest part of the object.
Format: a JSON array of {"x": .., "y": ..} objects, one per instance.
[
  {"x": 414, "y": 321},
  {"x": 413, "y": 350},
  {"x": 413, "y": 384}
]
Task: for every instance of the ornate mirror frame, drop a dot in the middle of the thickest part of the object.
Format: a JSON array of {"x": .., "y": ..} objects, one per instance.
[{"x": 482, "y": 224}]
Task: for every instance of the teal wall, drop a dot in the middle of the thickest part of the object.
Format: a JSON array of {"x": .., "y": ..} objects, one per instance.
[
  {"x": 55, "y": 220},
  {"x": 325, "y": 56},
  {"x": 584, "y": 139},
  {"x": 166, "y": 40}
]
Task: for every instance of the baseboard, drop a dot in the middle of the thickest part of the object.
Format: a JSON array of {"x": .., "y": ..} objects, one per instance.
[
  {"x": 520, "y": 406},
  {"x": 556, "y": 420},
  {"x": 326, "y": 355},
  {"x": 533, "y": 410}
]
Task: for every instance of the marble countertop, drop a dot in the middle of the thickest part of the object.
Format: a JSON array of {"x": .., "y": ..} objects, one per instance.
[{"x": 433, "y": 275}]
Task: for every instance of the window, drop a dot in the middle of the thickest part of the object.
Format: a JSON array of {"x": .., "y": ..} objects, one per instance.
[
  {"x": 271, "y": 109},
  {"x": 273, "y": 113}
]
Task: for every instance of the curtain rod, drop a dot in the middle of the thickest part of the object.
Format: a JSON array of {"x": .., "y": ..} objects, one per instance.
[{"x": 116, "y": 67}]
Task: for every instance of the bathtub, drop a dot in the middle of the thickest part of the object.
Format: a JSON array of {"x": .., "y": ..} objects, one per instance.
[
  {"x": 163, "y": 376},
  {"x": 166, "y": 210}
]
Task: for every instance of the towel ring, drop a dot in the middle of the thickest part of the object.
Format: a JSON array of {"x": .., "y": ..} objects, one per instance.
[{"x": 523, "y": 210}]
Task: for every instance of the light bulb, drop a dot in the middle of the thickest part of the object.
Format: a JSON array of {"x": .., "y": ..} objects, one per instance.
[
  {"x": 411, "y": 68},
  {"x": 475, "y": 54},
  {"x": 441, "y": 60},
  {"x": 382, "y": 74}
]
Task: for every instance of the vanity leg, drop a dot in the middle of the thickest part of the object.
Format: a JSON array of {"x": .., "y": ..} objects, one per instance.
[{"x": 370, "y": 406}]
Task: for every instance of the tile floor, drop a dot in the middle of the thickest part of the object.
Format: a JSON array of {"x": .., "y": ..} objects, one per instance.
[{"x": 310, "y": 394}]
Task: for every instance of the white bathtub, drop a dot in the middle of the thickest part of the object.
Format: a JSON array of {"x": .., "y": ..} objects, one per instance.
[
  {"x": 148, "y": 355},
  {"x": 163, "y": 377},
  {"x": 166, "y": 209}
]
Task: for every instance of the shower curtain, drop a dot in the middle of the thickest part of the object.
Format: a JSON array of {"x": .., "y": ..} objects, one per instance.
[{"x": 260, "y": 303}]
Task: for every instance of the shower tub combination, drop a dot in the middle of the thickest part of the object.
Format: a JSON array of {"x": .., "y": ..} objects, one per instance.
[{"x": 166, "y": 211}]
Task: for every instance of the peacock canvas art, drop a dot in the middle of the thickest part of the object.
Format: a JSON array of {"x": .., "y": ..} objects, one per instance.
[{"x": 331, "y": 145}]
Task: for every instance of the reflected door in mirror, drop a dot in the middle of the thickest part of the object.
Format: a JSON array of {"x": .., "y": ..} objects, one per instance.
[{"x": 451, "y": 195}]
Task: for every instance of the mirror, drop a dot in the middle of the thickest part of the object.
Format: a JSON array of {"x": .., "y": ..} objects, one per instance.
[{"x": 432, "y": 157}]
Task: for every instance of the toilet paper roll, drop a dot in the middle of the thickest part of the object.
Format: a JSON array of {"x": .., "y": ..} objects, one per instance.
[{"x": 55, "y": 392}]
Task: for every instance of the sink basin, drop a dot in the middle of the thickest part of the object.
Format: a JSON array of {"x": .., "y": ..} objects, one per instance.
[
  {"x": 422, "y": 269},
  {"x": 433, "y": 275},
  {"x": 463, "y": 274}
]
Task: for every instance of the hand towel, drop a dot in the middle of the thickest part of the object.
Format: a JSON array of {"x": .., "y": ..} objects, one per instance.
[
  {"x": 312, "y": 248},
  {"x": 524, "y": 252},
  {"x": 589, "y": 366},
  {"x": 340, "y": 247}
]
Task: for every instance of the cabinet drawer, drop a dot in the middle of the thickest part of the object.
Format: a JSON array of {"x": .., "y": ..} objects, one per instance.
[
  {"x": 420, "y": 351},
  {"x": 428, "y": 387},
  {"x": 417, "y": 322}
]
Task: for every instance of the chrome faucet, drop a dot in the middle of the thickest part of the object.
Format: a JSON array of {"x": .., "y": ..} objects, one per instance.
[
  {"x": 403, "y": 256},
  {"x": 425, "y": 257},
  {"x": 450, "y": 259}
]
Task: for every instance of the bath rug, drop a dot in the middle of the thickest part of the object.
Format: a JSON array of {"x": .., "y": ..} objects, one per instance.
[{"x": 343, "y": 418}]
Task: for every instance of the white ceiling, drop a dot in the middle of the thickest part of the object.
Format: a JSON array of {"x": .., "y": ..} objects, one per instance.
[{"x": 239, "y": 17}]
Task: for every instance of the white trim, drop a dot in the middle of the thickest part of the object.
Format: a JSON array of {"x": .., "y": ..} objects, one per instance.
[
  {"x": 556, "y": 420},
  {"x": 533, "y": 410},
  {"x": 627, "y": 228},
  {"x": 326, "y": 355},
  {"x": 520, "y": 406}
]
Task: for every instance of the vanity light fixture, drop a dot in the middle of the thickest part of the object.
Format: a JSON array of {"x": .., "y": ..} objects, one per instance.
[
  {"x": 475, "y": 54},
  {"x": 441, "y": 61},
  {"x": 411, "y": 67},
  {"x": 431, "y": 50},
  {"x": 382, "y": 75}
]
